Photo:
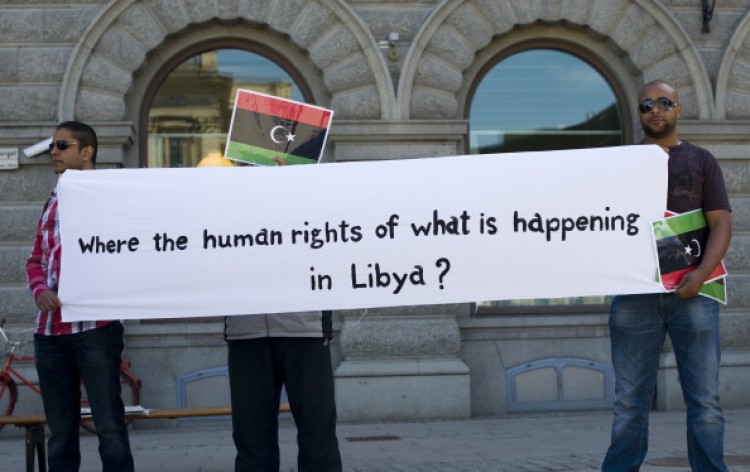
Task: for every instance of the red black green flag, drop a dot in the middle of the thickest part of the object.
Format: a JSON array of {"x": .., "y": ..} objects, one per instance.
[
  {"x": 716, "y": 289},
  {"x": 266, "y": 129},
  {"x": 680, "y": 242}
]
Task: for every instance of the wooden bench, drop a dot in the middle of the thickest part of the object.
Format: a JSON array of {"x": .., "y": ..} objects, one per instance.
[{"x": 34, "y": 424}]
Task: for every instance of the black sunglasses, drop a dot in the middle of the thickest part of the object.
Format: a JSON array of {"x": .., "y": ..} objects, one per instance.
[
  {"x": 663, "y": 104},
  {"x": 61, "y": 145}
]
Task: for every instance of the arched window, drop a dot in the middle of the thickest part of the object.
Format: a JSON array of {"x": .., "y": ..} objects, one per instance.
[
  {"x": 543, "y": 98},
  {"x": 188, "y": 108},
  {"x": 191, "y": 109}
]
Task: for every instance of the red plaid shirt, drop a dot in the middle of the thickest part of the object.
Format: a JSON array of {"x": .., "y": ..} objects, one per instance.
[{"x": 43, "y": 273}]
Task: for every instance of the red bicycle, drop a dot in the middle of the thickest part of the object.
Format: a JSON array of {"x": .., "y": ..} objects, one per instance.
[{"x": 10, "y": 378}]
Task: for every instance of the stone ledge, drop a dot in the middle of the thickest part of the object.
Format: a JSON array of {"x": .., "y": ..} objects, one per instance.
[
  {"x": 401, "y": 367},
  {"x": 384, "y": 338},
  {"x": 377, "y": 131},
  {"x": 704, "y": 131}
]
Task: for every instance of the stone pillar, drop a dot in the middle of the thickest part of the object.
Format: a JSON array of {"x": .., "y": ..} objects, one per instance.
[{"x": 402, "y": 364}]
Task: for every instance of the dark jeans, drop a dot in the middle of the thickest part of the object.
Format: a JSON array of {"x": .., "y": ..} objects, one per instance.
[
  {"x": 257, "y": 370},
  {"x": 62, "y": 361}
]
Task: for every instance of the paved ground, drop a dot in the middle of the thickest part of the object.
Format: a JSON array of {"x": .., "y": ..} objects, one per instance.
[{"x": 519, "y": 443}]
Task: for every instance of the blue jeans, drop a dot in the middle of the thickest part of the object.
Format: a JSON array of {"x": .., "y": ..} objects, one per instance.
[
  {"x": 638, "y": 326},
  {"x": 62, "y": 361}
]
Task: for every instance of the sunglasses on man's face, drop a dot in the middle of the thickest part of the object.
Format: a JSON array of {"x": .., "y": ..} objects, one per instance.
[
  {"x": 663, "y": 104},
  {"x": 61, "y": 144}
]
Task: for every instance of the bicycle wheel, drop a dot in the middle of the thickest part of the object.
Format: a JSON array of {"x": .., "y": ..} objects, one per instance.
[
  {"x": 130, "y": 392},
  {"x": 8, "y": 395}
]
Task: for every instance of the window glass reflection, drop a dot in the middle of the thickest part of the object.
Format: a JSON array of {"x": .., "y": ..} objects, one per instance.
[
  {"x": 538, "y": 100},
  {"x": 543, "y": 99},
  {"x": 191, "y": 112}
]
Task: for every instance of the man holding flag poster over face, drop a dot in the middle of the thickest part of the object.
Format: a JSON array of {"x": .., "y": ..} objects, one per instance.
[
  {"x": 267, "y": 351},
  {"x": 639, "y": 323}
]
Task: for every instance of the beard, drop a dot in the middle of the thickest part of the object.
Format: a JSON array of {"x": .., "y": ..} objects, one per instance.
[{"x": 658, "y": 130}]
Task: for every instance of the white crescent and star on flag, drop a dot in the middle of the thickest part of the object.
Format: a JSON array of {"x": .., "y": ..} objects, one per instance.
[
  {"x": 288, "y": 136},
  {"x": 693, "y": 244}
]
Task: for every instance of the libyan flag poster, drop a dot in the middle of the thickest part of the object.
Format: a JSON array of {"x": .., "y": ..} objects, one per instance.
[
  {"x": 680, "y": 242},
  {"x": 268, "y": 130}
]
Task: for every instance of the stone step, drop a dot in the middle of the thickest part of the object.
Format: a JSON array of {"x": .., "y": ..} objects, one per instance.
[
  {"x": 738, "y": 255},
  {"x": 738, "y": 290},
  {"x": 13, "y": 263},
  {"x": 16, "y": 305},
  {"x": 29, "y": 183},
  {"x": 19, "y": 221},
  {"x": 740, "y": 213}
]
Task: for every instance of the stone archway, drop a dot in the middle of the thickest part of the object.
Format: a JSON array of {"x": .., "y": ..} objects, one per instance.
[
  {"x": 456, "y": 31},
  {"x": 732, "y": 88},
  {"x": 353, "y": 73}
]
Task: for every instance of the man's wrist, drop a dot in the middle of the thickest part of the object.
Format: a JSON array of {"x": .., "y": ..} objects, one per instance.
[{"x": 38, "y": 290}]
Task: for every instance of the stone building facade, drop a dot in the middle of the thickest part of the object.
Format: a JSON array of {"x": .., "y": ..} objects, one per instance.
[{"x": 97, "y": 61}]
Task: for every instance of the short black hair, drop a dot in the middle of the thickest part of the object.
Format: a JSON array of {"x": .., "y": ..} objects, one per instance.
[{"x": 84, "y": 133}]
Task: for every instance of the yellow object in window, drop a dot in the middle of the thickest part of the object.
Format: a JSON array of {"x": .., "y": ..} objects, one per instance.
[{"x": 215, "y": 159}]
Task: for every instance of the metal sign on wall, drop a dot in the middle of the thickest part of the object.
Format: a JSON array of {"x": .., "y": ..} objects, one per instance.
[{"x": 8, "y": 158}]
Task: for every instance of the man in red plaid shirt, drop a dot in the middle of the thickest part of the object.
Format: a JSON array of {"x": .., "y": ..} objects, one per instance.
[{"x": 67, "y": 353}]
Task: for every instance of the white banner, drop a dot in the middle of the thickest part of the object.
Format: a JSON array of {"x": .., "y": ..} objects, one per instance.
[{"x": 161, "y": 243}]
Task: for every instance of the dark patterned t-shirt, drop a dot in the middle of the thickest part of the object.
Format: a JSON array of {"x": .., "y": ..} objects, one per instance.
[{"x": 695, "y": 180}]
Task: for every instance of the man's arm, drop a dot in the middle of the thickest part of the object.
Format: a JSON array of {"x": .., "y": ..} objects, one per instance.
[
  {"x": 720, "y": 233},
  {"x": 44, "y": 297}
]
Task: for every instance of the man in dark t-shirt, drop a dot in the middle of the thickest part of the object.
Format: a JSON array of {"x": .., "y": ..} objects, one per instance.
[
  {"x": 639, "y": 323},
  {"x": 695, "y": 180}
]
